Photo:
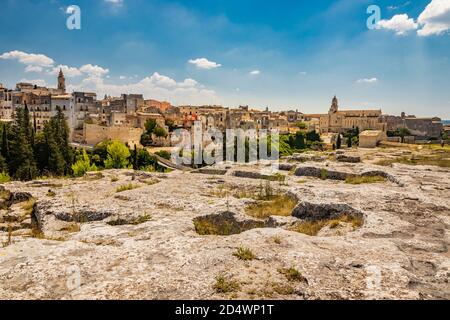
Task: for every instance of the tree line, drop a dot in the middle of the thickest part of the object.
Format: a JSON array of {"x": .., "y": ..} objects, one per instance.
[{"x": 26, "y": 154}]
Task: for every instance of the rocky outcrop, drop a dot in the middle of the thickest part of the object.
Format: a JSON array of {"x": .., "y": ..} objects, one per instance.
[
  {"x": 321, "y": 173},
  {"x": 348, "y": 158},
  {"x": 255, "y": 175},
  {"x": 324, "y": 211},
  {"x": 287, "y": 166},
  {"x": 325, "y": 173},
  {"x": 306, "y": 157},
  {"x": 227, "y": 223},
  {"x": 147, "y": 247},
  {"x": 216, "y": 172}
]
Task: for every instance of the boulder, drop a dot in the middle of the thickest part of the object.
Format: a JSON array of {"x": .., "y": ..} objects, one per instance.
[{"x": 348, "y": 159}]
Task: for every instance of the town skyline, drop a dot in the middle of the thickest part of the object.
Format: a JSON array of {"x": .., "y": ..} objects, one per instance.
[
  {"x": 104, "y": 96},
  {"x": 281, "y": 60}
]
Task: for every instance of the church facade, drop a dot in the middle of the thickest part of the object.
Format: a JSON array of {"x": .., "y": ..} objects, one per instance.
[{"x": 340, "y": 121}]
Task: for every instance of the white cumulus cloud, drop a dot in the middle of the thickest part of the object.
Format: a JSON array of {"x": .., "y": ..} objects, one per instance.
[
  {"x": 203, "y": 63},
  {"x": 400, "y": 23},
  {"x": 435, "y": 19},
  {"x": 31, "y": 68},
  {"x": 255, "y": 72},
  {"x": 28, "y": 58},
  {"x": 155, "y": 86},
  {"x": 68, "y": 71},
  {"x": 94, "y": 71}
]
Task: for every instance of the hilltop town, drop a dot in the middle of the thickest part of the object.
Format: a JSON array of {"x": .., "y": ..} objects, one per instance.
[
  {"x": 92, "y": 120},
  {"x": 356, "y": 207}
]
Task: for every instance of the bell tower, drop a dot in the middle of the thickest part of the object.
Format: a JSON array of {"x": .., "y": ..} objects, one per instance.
[
  {"x": 334, "y": 105},
  {"x": 61, "y": 81}
]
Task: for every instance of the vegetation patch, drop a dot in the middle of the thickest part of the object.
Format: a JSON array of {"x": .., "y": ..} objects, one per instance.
[
  {"x": 225, "y": 224},
  {"x": 127, "y": 187},
  {"x": 283, "y": 289},
  {"x": 134, "y": 221},
  {"x": 151, "y": 182},
  {"x": 28, "y": 206},
  {"x": 440, "y": 159},
  {"x": 276, "y": 205},
  {"x": 225, "y": 285},
  {"x": 312, "y": 228},
  {"x": 364, "y": 179},
  {"x": 244, "y": 254},
  {"x": 293, "y": 275}
]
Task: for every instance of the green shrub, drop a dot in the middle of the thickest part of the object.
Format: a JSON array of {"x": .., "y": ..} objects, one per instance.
[
  {"x": 118, "y": 155},
  {"x": 83, "y": 165},
  {"x": 244, "y": 254},
  {"x": 224, "y": 285},
  {"x": 4, "y": 177}
]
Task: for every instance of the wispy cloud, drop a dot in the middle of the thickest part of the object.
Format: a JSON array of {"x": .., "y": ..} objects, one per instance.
[
  {"x": 368, "y": 80},
  {"x": 114, "y": 2},
  {"x": 396, "y": 7}
]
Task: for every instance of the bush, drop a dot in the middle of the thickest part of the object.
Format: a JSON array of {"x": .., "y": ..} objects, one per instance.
[
  {"x": 4, "y": 177},
  {"x": 83, "y": 165},
  {"x": 160, "y": 132},
  {"x": 118, "y": 155},
  {"x": 164, "y": 154},
  {"x": 145, "y": 160},
  {"x": 313, "y": 136},
  {"x": 146, "y": 140},
  {"x": 150, "y": 125},
  {"x": 302, "y": 126}
]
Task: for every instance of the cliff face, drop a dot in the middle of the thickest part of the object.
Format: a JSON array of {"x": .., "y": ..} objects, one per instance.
[{"x": 133, "y": 235}]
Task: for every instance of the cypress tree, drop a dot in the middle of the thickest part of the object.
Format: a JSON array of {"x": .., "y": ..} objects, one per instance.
[
  {"x": 135, "y": 158},
  {"x": 338, "y": 142},
  {"x": 55, "y": 159},
  {"x": 22, "y": 164},
  {"x": 5, "y": 142}
]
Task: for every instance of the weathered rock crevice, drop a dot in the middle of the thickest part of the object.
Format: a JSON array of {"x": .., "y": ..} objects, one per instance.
[
  {"x": 324, "y": 211},
  {"x": 323, "y": 173},
  {"x": 228, "y": 223}
]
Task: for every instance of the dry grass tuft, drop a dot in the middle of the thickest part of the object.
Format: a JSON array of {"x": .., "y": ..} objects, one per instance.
[
  {"x": 312, "y": 228},
  {"x": 127, "y": 187},
  {"x": 293, "y": 275},
  {"x": 365, "y": 179},
  {"x": 278, "y": 205},
  {"x": 244, "y": 254},
  {"x": 224, "y": 285}
]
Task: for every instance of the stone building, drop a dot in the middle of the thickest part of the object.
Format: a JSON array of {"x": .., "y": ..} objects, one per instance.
[
  {"x": 421, "y": 128},
  {"x": 340, "y": 121},
  {"x": 6, "y": 105},
  {"x": 371, "y": 138}
]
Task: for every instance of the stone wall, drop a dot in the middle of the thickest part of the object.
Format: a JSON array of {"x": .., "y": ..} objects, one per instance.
[{"x": 94, "y": 134}]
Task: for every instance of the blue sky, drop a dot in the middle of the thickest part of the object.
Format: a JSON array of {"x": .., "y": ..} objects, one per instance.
[{"x": 280, "y": 54}]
